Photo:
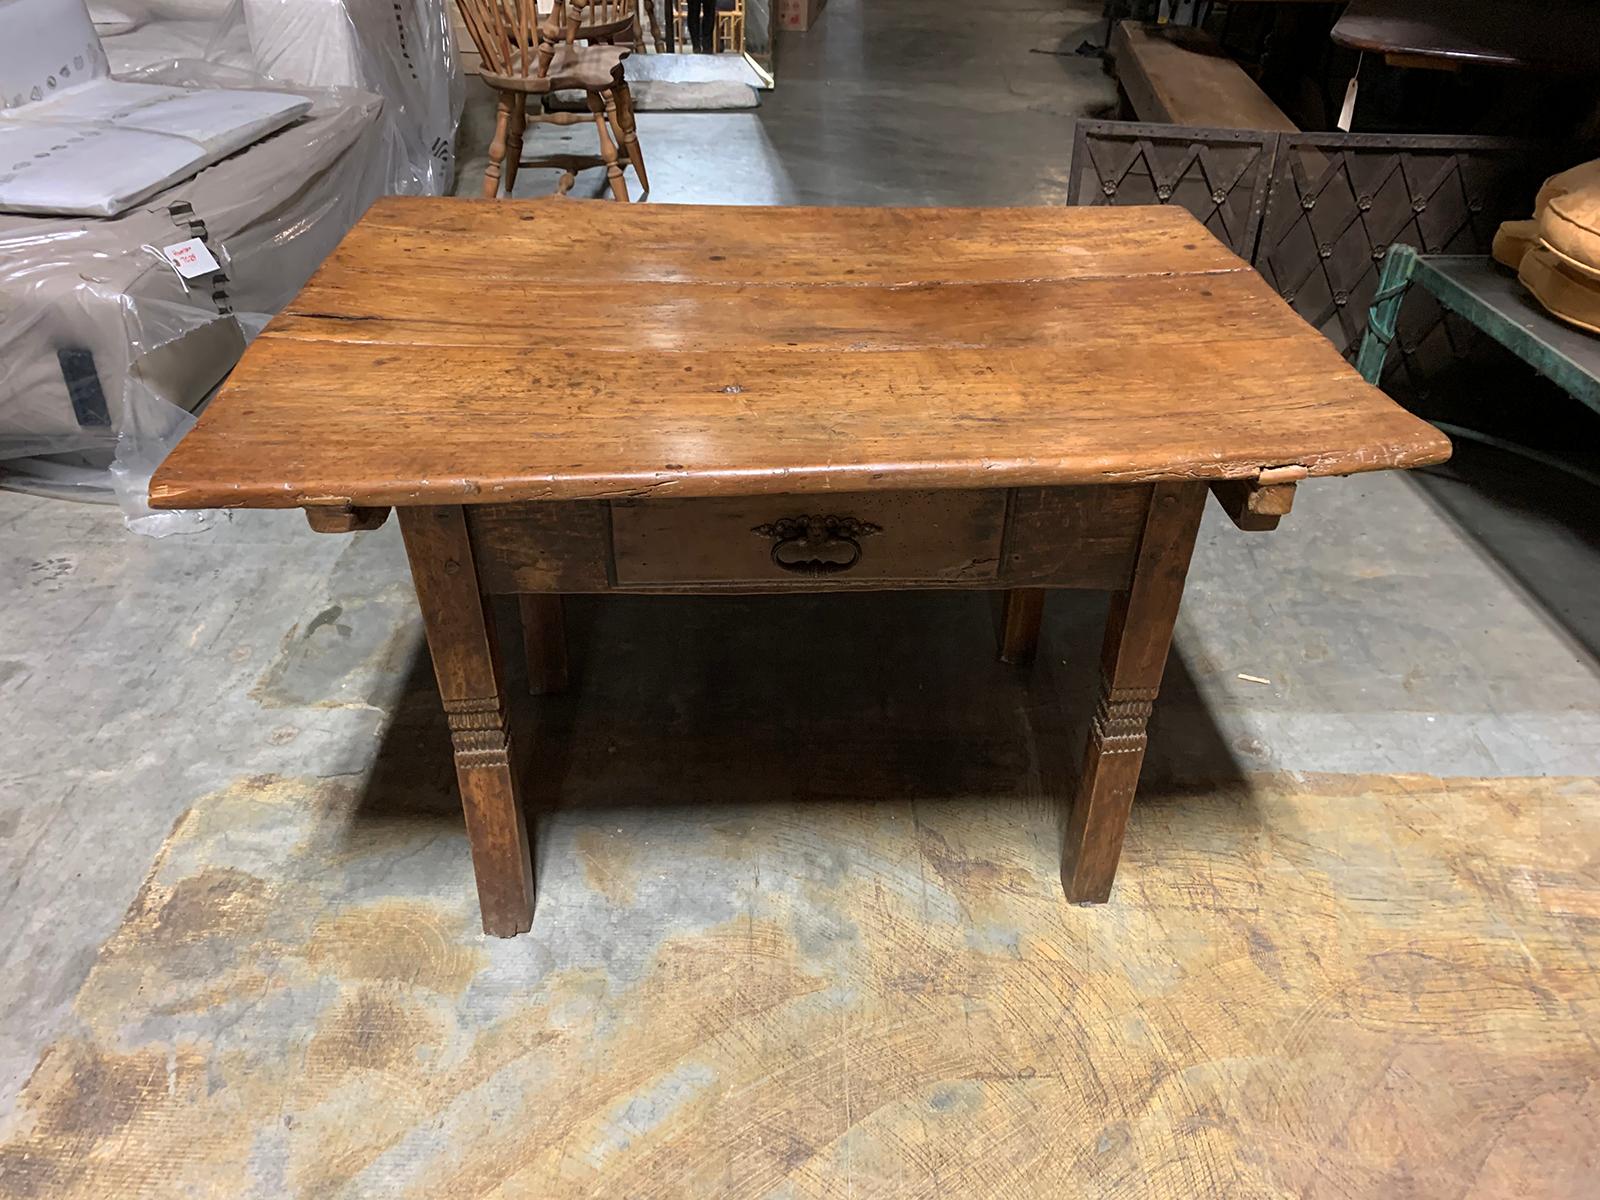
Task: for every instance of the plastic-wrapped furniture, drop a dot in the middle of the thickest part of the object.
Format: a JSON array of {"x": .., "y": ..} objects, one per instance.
[
  {"x": 74, "y": 140},
  {"x": 400, "y": 49},
  {"x": 107, "y": 347}
]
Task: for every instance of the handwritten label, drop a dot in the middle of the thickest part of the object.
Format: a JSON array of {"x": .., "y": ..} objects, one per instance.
[{"x": 192, "y": 258}]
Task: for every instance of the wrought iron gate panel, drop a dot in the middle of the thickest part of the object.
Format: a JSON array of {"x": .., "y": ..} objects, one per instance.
[
  {"x": 1219, "y": 175},
  {"x": 1315, "y": 212},
  {"x": 1337, "y": 201}
]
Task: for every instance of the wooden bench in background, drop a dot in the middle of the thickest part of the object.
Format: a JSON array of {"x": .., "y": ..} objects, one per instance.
[{"x": 1179, "y": 76}]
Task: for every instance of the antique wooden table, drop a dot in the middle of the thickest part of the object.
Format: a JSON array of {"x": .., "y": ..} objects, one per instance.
[{"x": 566, "y": 397}]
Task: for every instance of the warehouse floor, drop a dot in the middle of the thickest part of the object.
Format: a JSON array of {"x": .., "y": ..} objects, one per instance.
[{"x": 799, "y": 931}]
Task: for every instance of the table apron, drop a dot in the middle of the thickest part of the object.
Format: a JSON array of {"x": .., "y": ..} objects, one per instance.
[{"x": 1063, "y": 537}]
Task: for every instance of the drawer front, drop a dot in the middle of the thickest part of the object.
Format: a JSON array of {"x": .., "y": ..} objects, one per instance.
[
  {"x": 1077, "y": 537},
  {"x": 835, "y": 540}
]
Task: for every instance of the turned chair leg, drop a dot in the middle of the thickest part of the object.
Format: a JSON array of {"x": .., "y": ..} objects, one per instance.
[
  {"x": 656, "y": 40},
  {"x": 608, "y": 149},
  {"x": 497, "y": 147},
  {"x": 1138, "y": 635},
  {"x": 544, "y": 642},
  {"x": 1019, "y": 635},
  {"x": 628, "y": 131},
  {"x": 517, "y": 127}
]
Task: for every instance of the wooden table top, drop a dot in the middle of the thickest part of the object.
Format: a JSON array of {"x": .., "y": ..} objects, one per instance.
[
  {"x": 454, "y": 351},
  {"x": 1551, "y": 35}
]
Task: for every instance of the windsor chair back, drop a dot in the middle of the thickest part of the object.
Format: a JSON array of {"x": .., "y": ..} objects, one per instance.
[{"x": 524, "y": 55}]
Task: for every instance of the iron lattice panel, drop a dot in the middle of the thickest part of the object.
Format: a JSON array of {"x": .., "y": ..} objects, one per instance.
[
  {"x": 1315, "y": 212},
  {"x": 1219, "y": 175},
  {"x": 1338, "y": 201}
]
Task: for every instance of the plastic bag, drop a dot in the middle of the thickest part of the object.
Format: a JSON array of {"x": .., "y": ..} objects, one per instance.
[{"x": 108, "y": 348}]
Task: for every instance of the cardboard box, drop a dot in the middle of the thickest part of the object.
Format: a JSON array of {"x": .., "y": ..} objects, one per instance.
[{"x": 799, "y": 15}]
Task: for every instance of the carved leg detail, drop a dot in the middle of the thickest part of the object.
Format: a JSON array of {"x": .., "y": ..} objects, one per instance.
[
  {"x": 1138, "y": 635},
  {"x": 478, "y": 733},
  {"x": 496, "y": 826},
  {"x": 1019, "y": 637},
  {"x": 1120, "y": 720},
  {"x": 466, "y": 662},
  {"x": 497, "y": 147},
  {"x": 1110, "y": 776}
]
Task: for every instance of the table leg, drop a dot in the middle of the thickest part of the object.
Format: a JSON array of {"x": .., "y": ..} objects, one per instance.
[
  {"x": 1138, "y": 635},
  {"x": 544, "y": 642},
  {"x": 466, "y": 660},
  {"x": 1019, "y": 635}
]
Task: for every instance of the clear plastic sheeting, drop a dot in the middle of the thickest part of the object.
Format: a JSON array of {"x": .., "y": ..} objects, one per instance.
[
  {"x": 116, "y": 329},
  {"x": 401, "y": 50}
]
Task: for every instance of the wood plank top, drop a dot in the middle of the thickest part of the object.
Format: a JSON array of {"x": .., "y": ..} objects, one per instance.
[{"x": 455, "y": 351}]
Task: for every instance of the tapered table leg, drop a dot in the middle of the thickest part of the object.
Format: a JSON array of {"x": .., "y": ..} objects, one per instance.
[
  {"x": 1138, "y": 635},
  {"x": 544, "y": 642},
  {"x": 1019, "y": 635},
  {"x": 466, "y": 660}
]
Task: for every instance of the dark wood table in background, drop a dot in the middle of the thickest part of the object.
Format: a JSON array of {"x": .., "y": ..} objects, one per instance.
[
  {"x": 1535, "y": 35},
  {"x": 571, "y": 397}
]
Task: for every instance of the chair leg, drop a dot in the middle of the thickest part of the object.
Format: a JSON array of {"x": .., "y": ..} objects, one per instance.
[
  {"x": 630, "y": 137},
  {"x": 497, "y": 148},
  {"x": 656, "y": 40},
  {"x": 608, "y": 149},
  {"x": 518, "y": 126}
]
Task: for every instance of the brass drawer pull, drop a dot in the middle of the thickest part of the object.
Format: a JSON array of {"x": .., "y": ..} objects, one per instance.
[{"x": 807, "y": 545}]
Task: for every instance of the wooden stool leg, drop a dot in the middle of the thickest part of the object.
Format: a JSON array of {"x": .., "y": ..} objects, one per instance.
[
  {"x": 466, "y": 661},
  {"x": 658, "y": 42},
  {"x": 497, "y": 148},
  {"x": 544, "y": 641},
  {"x": 1138, "y": 635},
  {"x": 517, "y": 127},
  {"x": 629, "y": 132},
  {"x": 1019, "y": 636},
  {"x": 608, "y": 149}
]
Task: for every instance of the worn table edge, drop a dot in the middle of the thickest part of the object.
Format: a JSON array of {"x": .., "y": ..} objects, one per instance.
[{"x": 179, "y": 493}]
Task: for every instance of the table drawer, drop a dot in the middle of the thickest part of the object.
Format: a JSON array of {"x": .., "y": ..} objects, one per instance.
[
  {"x": 1082, "y": 537},
  {"x": 843, "y": 538}
]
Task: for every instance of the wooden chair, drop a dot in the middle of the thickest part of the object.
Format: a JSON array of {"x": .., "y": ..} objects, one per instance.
[
  {"x": 730, "y": 26},
  {"x": 617, "y": 22},
  {"x": 525, "y": 56}
]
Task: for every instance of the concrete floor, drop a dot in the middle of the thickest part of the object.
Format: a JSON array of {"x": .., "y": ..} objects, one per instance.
[
  {"x": 881, "y": 103},
  {"x": 1441, "y": 625}
]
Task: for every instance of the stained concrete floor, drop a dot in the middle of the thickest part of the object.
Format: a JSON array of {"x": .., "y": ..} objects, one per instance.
[{"x": 1440, "y": 625}]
